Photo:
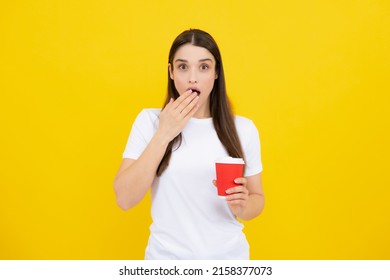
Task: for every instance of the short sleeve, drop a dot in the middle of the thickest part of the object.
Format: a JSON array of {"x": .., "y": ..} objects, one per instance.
[
  {"x": 250, "y": 141},
  {"x": 142, "y": 131}
]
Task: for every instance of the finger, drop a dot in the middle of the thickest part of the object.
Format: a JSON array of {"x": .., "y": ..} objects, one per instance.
[
  {"x": 181, "y": 98},
  {"x": 236, "y": 202},
  {"x": 239, "y": 189},
  {"x": 184, "y": 107},
  {"x": 191, "y": 113},
  {"x": 215, "y": 182},
  {"x": 239, "y": 196},
  {"x": 190, "y": 109},
  {"x": 241, "y": 180},
  {"x": 169, "y": 104}
]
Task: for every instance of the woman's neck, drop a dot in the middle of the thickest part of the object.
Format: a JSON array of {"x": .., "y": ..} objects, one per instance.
[{"x": 203, "y": 112}]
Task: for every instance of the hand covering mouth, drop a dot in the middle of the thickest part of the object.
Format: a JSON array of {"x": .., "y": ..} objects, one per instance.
[{"x": 194, "y": 89}]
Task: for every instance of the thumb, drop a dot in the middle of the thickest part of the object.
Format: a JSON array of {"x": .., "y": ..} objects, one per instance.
[{"x": 215, "y": 183}]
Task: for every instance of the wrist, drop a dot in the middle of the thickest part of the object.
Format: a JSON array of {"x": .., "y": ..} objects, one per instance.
[
  {"x": 161, "y": 139},
  {"x": 252, "y": 208}
]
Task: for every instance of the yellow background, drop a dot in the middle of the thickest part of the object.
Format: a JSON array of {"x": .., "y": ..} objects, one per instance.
[{"x": 312, "y": 75}]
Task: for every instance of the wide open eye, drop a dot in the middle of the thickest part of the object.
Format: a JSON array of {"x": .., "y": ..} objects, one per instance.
[{"x": 182, "y": 66}]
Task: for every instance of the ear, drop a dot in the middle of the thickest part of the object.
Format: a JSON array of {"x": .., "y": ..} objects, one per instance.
[{"x": 170, "y": 71}]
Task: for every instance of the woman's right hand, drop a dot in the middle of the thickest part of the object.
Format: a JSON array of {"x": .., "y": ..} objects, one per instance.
[{"x": 176, "y": 114}]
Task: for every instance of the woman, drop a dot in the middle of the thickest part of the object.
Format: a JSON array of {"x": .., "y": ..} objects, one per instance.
[{"x": 173, "y": 151}]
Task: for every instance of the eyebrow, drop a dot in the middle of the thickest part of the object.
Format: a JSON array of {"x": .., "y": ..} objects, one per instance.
[{"x": 200, "y": 60}]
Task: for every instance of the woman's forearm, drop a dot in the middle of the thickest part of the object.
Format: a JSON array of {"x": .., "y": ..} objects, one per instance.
[
  {"x": 253, "y": 208},
  {"x": 132, "y": 183}
]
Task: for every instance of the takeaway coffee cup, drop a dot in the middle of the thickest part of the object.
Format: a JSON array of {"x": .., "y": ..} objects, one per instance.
[{"x": 228, "y": 169}]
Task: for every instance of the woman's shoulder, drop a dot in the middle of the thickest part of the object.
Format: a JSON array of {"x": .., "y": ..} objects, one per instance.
[
  {"x": 149, "y": 114},
  {"x": 244, "y": 125},
  {"x": 247, "y": 131},
  {"x": 242, "y": 121},
  {"x": 147, "y": 117}
]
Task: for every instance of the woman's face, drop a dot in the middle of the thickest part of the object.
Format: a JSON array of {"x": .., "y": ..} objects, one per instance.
[{"x": 194, "y": 68}]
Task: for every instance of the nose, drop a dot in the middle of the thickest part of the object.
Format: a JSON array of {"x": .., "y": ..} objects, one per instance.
[{"x": 193, "y": 77}]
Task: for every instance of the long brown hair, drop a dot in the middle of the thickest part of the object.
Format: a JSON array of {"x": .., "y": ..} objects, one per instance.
[{"x": 220, "y": 108}]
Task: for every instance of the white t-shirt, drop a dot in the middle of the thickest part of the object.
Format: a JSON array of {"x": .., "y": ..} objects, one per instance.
[{"x": 190, "y": 221}]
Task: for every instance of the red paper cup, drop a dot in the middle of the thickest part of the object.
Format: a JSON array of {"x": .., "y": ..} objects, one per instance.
[{"x": 228, "y": 169}]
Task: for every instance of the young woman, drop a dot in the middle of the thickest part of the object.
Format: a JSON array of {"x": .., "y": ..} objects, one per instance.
[{"x": 173, "y": 151}]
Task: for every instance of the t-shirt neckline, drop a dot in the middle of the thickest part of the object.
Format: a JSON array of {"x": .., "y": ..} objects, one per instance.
[{"x": 201, "y": 120}]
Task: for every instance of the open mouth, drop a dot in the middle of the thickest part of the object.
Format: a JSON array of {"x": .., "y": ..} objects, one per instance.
[{"x": 195, "y": 90}]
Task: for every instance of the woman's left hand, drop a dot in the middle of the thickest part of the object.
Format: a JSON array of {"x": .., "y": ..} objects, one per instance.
[{"x": 237, "y": 197}]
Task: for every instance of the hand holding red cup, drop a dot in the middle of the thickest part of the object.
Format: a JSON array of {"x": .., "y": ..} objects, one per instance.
[{"x": 227, "y": 170}]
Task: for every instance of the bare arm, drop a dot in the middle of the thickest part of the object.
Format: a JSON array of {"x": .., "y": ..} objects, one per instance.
[
  {"x": 256, "y": 199},
  {"x": 134, "y": 177}
]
